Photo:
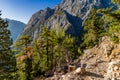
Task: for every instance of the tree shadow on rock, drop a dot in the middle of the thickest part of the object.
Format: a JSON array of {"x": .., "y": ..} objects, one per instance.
[{"x": 94, "y": 75}]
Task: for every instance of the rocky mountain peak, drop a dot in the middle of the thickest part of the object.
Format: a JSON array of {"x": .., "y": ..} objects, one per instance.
[
  {"x": 41, "y": 15},
  {"x": 82, "y": 7},
  {"x": 48, "y": 8},
  {"x": 69, "y": 15},
  {"x": 85, "y": 1},
  {"x": 64, "y": 1}
]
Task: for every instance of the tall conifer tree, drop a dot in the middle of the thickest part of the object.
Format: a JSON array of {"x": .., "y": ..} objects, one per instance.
[{"x": 7, "y": 60}]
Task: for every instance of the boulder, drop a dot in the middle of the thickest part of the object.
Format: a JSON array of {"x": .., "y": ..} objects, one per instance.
[
  {"x": 71, "y": 68},
  {"x": 80, "y": 71}
]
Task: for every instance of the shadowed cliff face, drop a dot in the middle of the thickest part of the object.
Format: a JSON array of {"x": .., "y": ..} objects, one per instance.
[
  {"x": 82, "y": 8},
  {"x": 68, "y": 15}
]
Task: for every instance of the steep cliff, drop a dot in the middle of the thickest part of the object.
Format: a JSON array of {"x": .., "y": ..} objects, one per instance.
[{"x": 69, "y": 15}]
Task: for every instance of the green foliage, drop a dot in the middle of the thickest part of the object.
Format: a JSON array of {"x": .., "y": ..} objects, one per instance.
[
  {"x": 112, "y": 18},
  {"x": 60, "y": 12},
  {"x": 52, "y": 50},
  {"x": 55, "y": 48},
  {"x": 37, "y": 58},
  {"x": 94, "y": 28},
  {"x": 115, "y": 39},
  {"x": 7, "y": 58},
  {"x": 21, "y": 73},
  {"x": 24, "y": 63},
  {"x": 24, "y": 69},
  {"x": 80, "y": 52},
  {"x": 22, "y": 42},
  {"x": 116, "y": 1}
]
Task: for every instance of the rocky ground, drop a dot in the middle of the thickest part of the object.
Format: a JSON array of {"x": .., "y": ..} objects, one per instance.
[{"x": 99, "y": 63}]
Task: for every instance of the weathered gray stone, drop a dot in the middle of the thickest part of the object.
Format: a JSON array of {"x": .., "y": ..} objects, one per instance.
[{"x": 69, "y": 15}]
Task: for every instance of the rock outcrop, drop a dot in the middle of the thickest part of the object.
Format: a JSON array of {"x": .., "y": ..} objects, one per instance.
[
  {"x": 69, "y": 15},
  {"x": 113, "y": 71},
  {"x": 101, "y": 62}
]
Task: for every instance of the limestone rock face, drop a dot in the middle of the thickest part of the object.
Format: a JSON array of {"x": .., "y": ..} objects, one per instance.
[
  {"x": 82, "y": 8},
  {"x": 113, "y": 71},
  {"x": 96, "y": 64},
  {"x": 81, "y": 71},
  {"x": 69, "y": 15},
  {"x": 37, "y": 19}
]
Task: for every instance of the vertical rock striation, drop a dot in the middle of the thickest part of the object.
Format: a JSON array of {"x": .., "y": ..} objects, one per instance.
[{"x": 69, "y": 15}]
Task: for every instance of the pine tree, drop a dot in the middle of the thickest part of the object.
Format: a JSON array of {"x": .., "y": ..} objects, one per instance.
[
  {"x": 112, "y": 17},
  {"x": 116, "y": 1},
  {"x": 59, "y": 47},
  {"x": 93, "y": 29},
  {"x": 7, "y": 58},
  {"x": 23, "y": 43},
  {"x": 24, "y": 57},
  {"x": 38, "y": 58},
  {"x": 45, "y": 35}
]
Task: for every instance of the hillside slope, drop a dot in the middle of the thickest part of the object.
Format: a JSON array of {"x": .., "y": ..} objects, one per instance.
[
  {"x": 15, "y": 27},
  {"x": 100, "y": 62}
]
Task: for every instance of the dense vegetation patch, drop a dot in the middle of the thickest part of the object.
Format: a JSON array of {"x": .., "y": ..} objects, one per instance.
[{"x": 54, "y": 48}]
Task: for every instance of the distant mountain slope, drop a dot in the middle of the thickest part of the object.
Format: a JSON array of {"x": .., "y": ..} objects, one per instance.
[
  {"x": 69, "y": 15},
  {"x": 15, "y": 27}
]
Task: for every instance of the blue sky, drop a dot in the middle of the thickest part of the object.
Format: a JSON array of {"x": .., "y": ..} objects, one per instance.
[{"x": 22, "y": 10}]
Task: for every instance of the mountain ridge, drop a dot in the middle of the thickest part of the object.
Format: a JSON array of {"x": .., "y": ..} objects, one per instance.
[
  {"x": 74, "y": 12},
  {"x": 15, "y": 27}
]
